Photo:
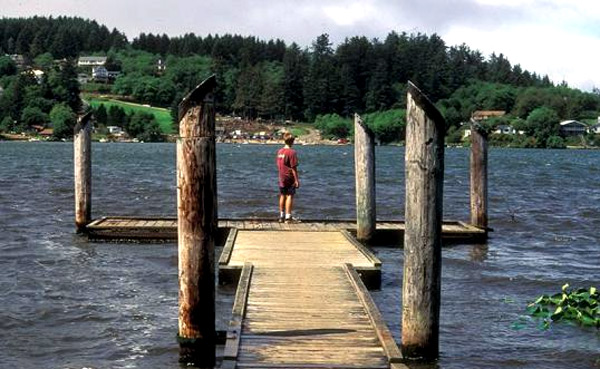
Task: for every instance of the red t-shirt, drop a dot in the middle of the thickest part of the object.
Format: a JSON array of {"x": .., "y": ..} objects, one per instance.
[{"x": 286, "y": 160}]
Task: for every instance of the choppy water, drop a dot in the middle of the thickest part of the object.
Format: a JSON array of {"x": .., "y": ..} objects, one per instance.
[{"x": 67, "y": 303}]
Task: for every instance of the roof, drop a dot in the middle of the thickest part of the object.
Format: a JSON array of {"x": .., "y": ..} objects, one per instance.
[
  {"x": 485, "y": 114},
  {"x": 90, "y": 58},
  {"x": 576, "y": 122}
]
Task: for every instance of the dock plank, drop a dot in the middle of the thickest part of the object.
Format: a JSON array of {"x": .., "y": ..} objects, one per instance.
[
  {"x": 304, "y": 307},
  {"x": 164, "y": 229}
]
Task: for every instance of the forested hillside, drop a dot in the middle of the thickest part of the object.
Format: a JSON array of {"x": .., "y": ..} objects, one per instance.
[{"x": 277, "y": 81}]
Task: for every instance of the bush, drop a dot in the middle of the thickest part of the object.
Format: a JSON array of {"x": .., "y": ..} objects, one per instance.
[
  {"x": 63, "y": 121},
  {"x": 7, "y": 124},
  {"x": 555, "y": 142},
  {"x": 32, "y": 115},
  {"x": 144, "y": 127},
  {"x": 388, "y": 126},
  {"x": 333, "y": 126}
]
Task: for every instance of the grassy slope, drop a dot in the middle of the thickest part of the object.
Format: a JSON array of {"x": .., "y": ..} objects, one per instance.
[{"x": 163, "y": 116}]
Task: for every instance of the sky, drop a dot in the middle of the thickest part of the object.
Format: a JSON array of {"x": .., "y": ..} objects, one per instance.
[{"x": 558, "y": 38}]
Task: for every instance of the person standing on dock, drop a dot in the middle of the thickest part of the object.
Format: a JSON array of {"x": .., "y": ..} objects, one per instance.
[{"x": 287, "y": 164}]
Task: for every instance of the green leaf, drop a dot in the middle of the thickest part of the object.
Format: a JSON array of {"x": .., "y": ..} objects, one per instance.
[
  {"x": 556, "y": 298},
  {"x": 542, "y": 299},
  {"x": 558, "y": 314},
  {"x": 541, "y": 312},
  {"x": 587, "y": 320}
]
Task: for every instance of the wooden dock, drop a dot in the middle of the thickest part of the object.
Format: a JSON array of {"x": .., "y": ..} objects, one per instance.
[
  {"x": 164, "y": 229},
  {"x": 301, "y": 303}
]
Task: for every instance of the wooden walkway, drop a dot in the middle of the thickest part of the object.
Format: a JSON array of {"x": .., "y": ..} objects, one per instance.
[
  {"x": 165, "y": 229},
  {"x": 300, "y": 303}
]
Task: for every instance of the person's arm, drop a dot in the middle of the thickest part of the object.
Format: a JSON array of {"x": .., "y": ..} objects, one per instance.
[{"x": 296, "y": 179}]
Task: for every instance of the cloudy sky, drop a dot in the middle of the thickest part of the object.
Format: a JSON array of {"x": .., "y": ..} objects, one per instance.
[{"x": 560, "y": 38}]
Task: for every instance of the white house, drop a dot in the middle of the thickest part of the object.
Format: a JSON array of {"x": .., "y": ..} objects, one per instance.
[
  {"x": 114, "y": 130},
  {"x": 595, "y": 128},
  {"x": 99, "y": 73},
  {"x": 573, "y": 128},
  {"x": 39, "y": 75},
  {"x": 505, "y": 130},
  {"x": 91, "y": 61}
]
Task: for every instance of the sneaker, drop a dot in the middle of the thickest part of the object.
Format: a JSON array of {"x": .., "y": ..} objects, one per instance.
[
  {"x": 292, "y": 220},
  {"x": 281, "y": 219}
]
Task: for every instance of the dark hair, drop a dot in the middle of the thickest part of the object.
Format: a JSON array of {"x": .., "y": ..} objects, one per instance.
[{"x": 288, "y": 138}]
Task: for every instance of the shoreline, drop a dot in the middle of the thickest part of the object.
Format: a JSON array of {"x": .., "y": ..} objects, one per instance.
[{"x": 299, "y": 142}]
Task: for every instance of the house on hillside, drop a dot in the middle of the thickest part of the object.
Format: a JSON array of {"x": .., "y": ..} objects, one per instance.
[
  {"x": 114, "y": 130},
  {"x": 504, "y": 129},
  {"x": 572, "y": 128},
  {"x": 160, "y": 66},
  {"x": 39, "y": 75},
  {"x": 99, "y": 74},
  {"x": 595, "y": 128},
  {"x": 480, "y": 115},
  {"x": 91, "y": 61}
]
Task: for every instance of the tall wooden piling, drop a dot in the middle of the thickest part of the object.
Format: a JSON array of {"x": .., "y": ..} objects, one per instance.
[
  {"x": 197, "y": 225},
  {"x": 424, "y": 161},
  {"x": 479, "y": 177},
  {"x": 364, "y": 165},
  {"x": 82, "y": 158}
]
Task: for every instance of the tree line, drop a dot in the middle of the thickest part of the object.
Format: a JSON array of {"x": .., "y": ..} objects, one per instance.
[{"x": 277, "y": 81}]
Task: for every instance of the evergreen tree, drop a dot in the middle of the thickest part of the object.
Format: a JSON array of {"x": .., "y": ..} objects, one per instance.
[
  {"x": 294, "y": 62},
  {"x": 380, "y": 93},
  {"x": 319, "y": 93},
  {"x": 101, "y": 115},
  {"x": 7, "y": 66}
]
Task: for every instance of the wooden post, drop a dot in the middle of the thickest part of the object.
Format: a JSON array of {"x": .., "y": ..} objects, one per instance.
[
  {"x": 197, "y": 225},
  {"x": 479, "y": 177},
  {"x": 425, "y": 130},
  {"x": 82, "y": 155},
  {"x": 364, "y": 165}
]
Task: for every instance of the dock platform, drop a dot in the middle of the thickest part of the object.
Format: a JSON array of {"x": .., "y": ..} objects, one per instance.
[
  {"x": 164, "y": 229},
  {"x": 301, "y": 303}
]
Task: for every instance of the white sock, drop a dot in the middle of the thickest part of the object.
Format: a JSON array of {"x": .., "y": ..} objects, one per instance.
[
  {"x": 281, "y": 214},
  {"x": 288, "y": 216}
]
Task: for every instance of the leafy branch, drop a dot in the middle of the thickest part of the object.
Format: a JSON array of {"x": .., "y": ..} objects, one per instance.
[{"x": 577, "y": 305}]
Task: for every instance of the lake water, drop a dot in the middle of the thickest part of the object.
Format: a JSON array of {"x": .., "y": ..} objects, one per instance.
[{"x": 67, "y": 303}]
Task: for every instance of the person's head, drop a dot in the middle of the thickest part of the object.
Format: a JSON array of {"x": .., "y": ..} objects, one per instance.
[{"x": 288, "y": 138}]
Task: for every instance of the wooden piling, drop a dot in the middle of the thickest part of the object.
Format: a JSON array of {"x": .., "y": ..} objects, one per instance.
[
  {"x": 424, "y": 160},
  {"x": 82, "y": 158},
  {"x": 197, "y": 225},
  {"x": 479, "y": 177},
  {"x": 364, "y": 165}
]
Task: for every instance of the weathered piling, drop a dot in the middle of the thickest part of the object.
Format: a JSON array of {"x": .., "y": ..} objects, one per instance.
[
  {"x": 479, "y": 177},
  {"x": 197, "y": 225},
  {"x": 82, "y": 158},
  {"x": 364, "y": 165},
  {"x": 424, "y": 160}
]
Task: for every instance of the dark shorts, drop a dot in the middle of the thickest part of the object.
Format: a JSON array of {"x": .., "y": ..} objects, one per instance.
[{"x": 287, "y": 190}]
